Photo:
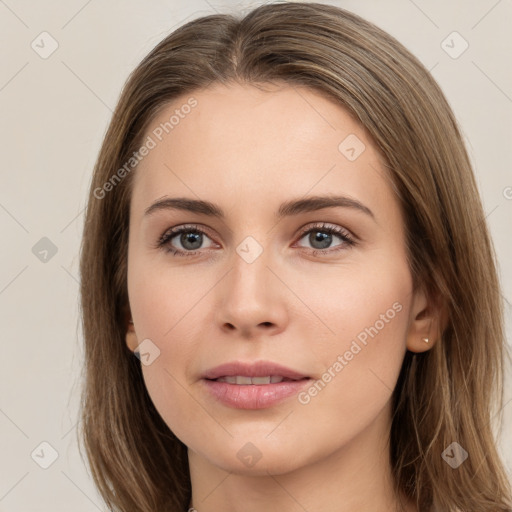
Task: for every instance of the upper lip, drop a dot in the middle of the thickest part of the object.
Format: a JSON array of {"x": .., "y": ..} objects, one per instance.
[{"x": 255, "y": 369}]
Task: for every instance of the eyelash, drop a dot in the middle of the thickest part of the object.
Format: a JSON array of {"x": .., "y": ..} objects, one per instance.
[{"x": 167, "y": 236}]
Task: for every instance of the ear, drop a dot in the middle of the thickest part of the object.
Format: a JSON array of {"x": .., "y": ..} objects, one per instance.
[
  {"x": 427, "y": 321},
  {"x": 131, "y": 336}
]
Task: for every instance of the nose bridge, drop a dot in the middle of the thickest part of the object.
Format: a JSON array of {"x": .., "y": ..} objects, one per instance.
[
  {"x": 249, "y": 280},
  {"x": 249, "y": 297}
]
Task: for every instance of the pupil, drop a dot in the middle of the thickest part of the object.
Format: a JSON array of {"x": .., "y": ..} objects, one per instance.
[
  {"x": 324, "y": 238},
  {"x": 189, "y": 237}
]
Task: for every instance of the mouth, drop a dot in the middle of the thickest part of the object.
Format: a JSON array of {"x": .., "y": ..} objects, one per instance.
[
  {"x": 253, "y": 370},
  {"x": 243, "y": 380},
  {"x": 258, "y": 385}
]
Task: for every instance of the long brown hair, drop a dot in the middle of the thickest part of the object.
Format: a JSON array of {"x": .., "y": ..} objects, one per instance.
[{"x": 447, "y": 394}]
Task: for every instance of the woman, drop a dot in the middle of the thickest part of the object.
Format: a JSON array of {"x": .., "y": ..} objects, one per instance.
[{"x": 289, "y": 293}]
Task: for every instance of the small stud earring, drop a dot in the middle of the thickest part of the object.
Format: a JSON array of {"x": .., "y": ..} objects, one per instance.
[
  {"x": 130, "y": 321},
  {"x": 425, "y": 340}
]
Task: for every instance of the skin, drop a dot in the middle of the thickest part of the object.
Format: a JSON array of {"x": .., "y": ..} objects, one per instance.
[{"x": 249, "y": 150}]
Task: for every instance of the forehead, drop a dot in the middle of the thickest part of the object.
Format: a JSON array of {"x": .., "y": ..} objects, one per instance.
[{"x": 242, "y": 145}]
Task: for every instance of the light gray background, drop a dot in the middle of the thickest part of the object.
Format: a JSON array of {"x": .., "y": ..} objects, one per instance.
[{"x": 54, "y": 113}]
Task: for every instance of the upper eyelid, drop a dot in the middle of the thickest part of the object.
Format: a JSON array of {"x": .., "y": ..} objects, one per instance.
[{"x": 176, "y": 230}]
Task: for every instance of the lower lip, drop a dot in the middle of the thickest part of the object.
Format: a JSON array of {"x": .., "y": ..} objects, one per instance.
[{"x": 253, "y": 396}]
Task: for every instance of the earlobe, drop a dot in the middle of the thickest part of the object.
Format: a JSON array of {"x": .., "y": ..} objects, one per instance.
[
  {"x": 426, "y": 323},
  {"x": 131, "y": 336}
]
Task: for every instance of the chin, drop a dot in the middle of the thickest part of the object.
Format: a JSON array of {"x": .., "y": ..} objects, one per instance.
[
  {"x": 252, "y": 458},
  {"x": 277, "y": 465}
]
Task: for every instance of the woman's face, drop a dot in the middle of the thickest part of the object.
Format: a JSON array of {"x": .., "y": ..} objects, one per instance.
[{"x": 267, "y": 281}]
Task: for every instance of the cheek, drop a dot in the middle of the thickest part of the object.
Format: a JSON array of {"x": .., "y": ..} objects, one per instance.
[
  {"x": 368, "y": 310},
  {"x": 164, "y": 313},
  {"x": 159, "y": 298}
]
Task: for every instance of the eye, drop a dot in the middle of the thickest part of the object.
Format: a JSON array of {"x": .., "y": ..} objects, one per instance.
[
  {"x": 321, "y": 235},
  {"x": 189, "y": 239}
]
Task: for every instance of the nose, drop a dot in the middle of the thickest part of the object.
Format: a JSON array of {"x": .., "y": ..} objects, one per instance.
[{"x": 252, "y": 300}]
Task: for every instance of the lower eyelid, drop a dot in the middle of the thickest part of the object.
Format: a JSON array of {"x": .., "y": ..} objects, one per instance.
[{"x": 344, "y": 244}]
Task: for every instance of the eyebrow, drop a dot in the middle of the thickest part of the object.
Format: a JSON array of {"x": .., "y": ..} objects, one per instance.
[{"x": 288, "y": 208}]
